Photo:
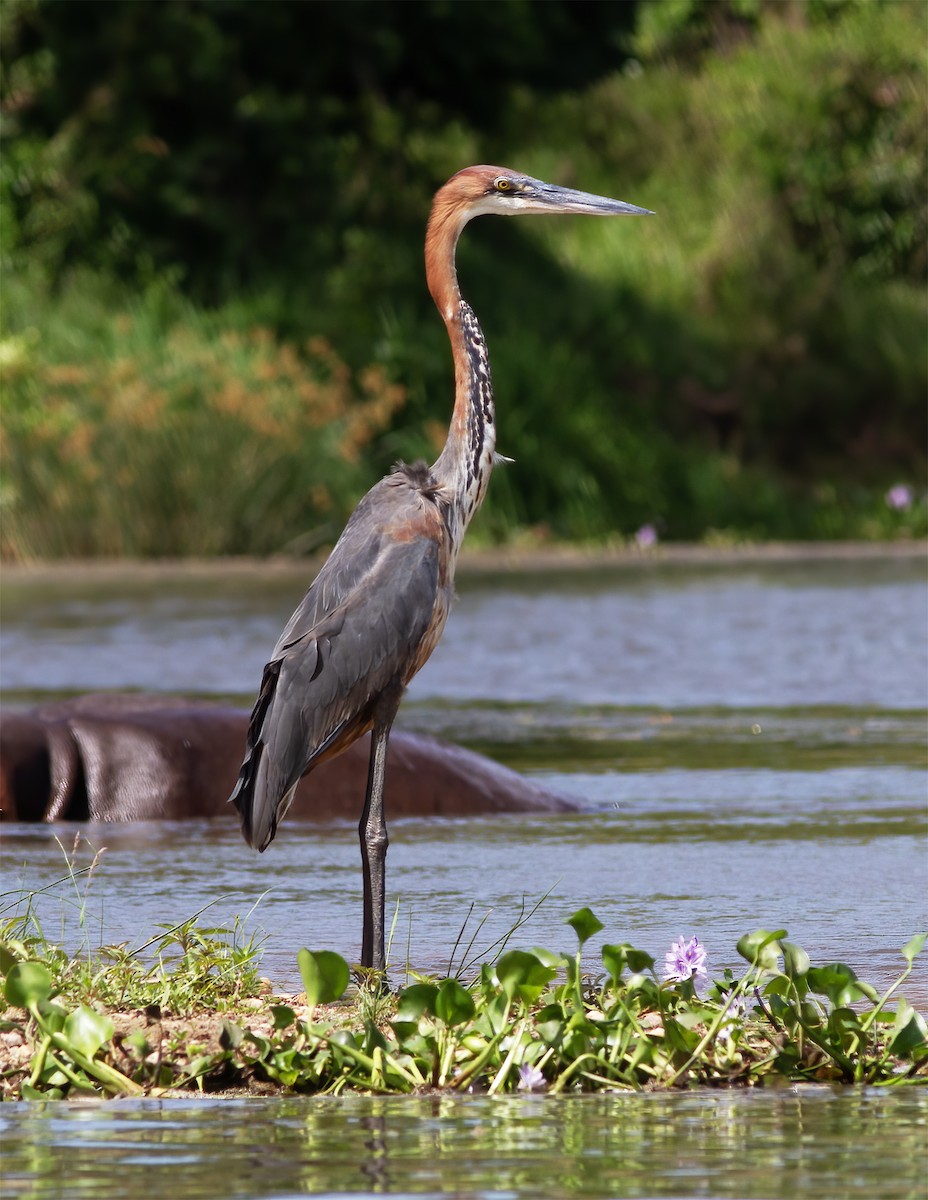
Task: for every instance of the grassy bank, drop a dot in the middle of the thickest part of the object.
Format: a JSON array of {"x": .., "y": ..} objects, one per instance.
[{"x": 188, "y": 1010}]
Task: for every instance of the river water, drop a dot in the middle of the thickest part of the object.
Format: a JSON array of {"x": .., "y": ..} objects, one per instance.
[{"x": 749, "y": 746}]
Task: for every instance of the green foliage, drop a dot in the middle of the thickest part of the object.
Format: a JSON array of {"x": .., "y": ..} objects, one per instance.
[
  {"x": 325, "y": 976},
  {"x": 749, "y": 363},
  {"x": 183, "y": 968},
  {"x": 529, "y": 1022},
  {"x": 144, "y": 426}
]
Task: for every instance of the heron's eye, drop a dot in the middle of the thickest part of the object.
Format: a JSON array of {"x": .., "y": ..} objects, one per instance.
[{"x": 503, "y": 184}]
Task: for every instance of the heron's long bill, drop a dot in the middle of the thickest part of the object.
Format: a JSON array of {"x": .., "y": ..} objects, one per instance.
[{"x": 548, "y": 197}]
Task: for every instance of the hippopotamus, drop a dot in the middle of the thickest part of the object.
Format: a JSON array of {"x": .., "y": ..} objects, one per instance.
[{"x": 129, "y": 757}]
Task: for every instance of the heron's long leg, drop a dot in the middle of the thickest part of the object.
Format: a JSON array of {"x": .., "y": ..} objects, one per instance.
[{"x": 373, "y": 833}]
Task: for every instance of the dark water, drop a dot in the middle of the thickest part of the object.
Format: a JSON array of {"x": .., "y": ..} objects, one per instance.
[
  {"x": 808, "y": 1143},
  {"x": 750, "y": 747}
]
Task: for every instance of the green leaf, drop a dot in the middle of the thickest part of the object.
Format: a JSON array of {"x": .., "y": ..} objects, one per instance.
[
  {"x": 8, "y": 959},
  {"x": 52, "y": 1016},
  {"x": 27, "y": 983},
  {"x": 87, "y": 1030},
  {"x": 839, "y": 983},
  {"x": 762, "y": 948},
  {"x": 796, "y": 962},
  {"x": 638, "y": 960},
  {"x": 231, "y": 1035},
  {"x": 914, "y": 947},
  {"x": 453, "y": 1004},
  {"x": 910, "y": 1032},
  {"x": 679, "y": 1037},
  {"x": 614, "y": 960},
  {"x": 325, "y": 975},
  {"x": 584, "y": 924},
  {"x": 523, "y": 974},
  {"x": 283, "y": 1015},
  {"x": 415, "y": 1001}
]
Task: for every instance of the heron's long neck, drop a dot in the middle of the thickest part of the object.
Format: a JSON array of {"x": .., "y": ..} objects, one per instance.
[{"x": 463, "y": 468}]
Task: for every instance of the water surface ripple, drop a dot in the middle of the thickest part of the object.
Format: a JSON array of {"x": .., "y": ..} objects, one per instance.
[
  {"x": 748, "y": 745},
  {"x": 807, "y": 1142}
]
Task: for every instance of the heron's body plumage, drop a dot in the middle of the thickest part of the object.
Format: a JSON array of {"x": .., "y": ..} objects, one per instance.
[
  {"x": 378, "y": 607},
  {"x": 350, "y": 637}
]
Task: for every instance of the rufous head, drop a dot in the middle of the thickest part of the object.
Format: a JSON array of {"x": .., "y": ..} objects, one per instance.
[
  {"x": 485, "y": 189},
  {"x": 480, "y": 190}
]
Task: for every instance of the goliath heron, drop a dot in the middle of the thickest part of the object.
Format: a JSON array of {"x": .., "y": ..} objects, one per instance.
[{"x": 377, "y": 608}]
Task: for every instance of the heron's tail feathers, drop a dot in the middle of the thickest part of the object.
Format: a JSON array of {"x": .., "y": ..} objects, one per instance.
[{"x": 262, "y": 794}]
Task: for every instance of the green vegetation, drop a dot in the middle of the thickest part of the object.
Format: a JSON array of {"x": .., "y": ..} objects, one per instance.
[
  {"x": 215, "y": 328},
  {"x": 535, "y": 1020}
]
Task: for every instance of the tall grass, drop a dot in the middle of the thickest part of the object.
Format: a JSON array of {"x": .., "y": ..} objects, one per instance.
[{"x": 142, "y": 425}]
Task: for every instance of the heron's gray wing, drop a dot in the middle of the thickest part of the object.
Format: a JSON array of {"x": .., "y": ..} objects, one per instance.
[{"x": 359, "y": 627}]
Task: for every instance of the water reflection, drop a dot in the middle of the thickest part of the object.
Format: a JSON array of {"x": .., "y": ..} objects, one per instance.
[{"x": 801, "y": 1141}]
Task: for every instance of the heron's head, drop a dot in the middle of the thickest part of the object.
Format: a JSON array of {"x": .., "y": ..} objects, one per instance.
[{"x": 479, "y": 190}]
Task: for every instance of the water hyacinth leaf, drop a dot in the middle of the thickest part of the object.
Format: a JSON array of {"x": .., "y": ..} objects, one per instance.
[
  {"x": 325, "y": 975},
  {"x": 638, "y": 960},
  {"x": 614, "y": 960},
  {"x": 679, "y": 1037},
  {"x": 780, "y": 985},
  {"x": 283, "y": 1015},
  {"x": 694, "y": 1018},
  {"x": 7, "y": 959},
  {"x": 453, "y": 1004},
  {"x": 796, "y": 962},
  {"x": 522, "y": 973},
  {"x": 231, "y": 1035},
  {"x": 914, "y": 947},
  {"x": 550, "y": 1022},
  {"x": 548, "y": 957},
  {"x": 27, "y": 984},
  {"x": 373, "y": 1039},
  {"x": 846, "y": 1024},
  {"x": 840, "y": 984},
  {"x": 417, "y": 1001},
  {"x": 585, "y": 924},
  {"x": 52, "y": 1016},
  {"x": 137, "y": 1042},
  {"x": 87, "y": 1030},
  {"x": 910, "y": 1031},
  {"x": 762, "y": 948}
]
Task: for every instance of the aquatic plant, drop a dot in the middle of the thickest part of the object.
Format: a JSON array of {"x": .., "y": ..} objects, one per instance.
[
  {"x": 685, "y": 960},
  {"x": 529, "y": 1021}
]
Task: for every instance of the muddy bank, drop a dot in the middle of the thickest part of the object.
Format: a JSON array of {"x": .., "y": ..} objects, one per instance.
[{"x": 479, "y": 561}]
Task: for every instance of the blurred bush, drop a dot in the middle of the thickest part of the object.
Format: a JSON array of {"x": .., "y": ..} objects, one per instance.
[
  {"x": 750, "y": 363},
  {"x": 151, "y": 429}
]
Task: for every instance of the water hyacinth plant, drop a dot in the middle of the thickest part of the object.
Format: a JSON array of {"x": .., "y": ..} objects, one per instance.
[
  {"x": 685, "y": 960},
  {"x": 531, "y": 1021}
]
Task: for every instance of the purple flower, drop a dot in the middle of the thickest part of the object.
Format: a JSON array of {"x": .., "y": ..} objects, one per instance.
[
  {"x": 732, "y": 1018},
  {"x": 531, "y": 1079},
  {"x": 900, "y": 496},
  {"x": 646, "y": 537},
  {"x": 685, "y": 960}
]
